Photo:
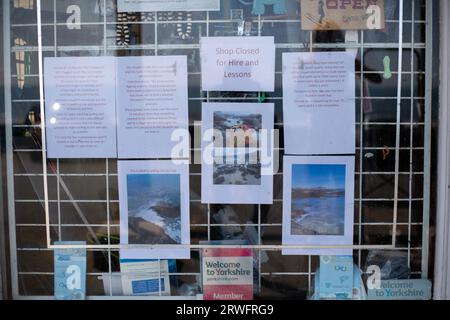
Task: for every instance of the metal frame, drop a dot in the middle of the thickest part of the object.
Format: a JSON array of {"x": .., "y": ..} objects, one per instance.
[
  {"x": 9, "y": 148},
  {"x": 2, "y": 212},
  {"x": 358, "y": 199},
  {"x": 442, "y": 255}
]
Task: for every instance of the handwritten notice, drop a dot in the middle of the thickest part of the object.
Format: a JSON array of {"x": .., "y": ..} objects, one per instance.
[
  {"x": 319, "y": 103},
  {"x": 238, "y": 63},
  {"x": 342, "y": 14},
  {"x": 152, "y": 103},
  {"x": 80, "y": 107},
  {"x": 167, "y": 5}
]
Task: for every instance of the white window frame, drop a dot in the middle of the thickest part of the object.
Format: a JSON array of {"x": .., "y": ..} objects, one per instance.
[{"x": 442, "y": 258}]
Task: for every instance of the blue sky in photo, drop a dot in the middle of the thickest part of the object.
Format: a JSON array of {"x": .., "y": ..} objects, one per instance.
[
  {"x": 330, "y": 176},
  {"x": 153, "y": 182}
]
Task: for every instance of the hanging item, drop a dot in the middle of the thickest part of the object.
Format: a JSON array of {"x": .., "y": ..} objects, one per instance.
[
  {"x": 147, "y": 16},
  {"x": 123, "y": 29},
  {"x": 387, "y": 67},
  {"x": 24, "y": 4},
  {"x": 23, "y": 63},
  {"x": 184, "y": 34}
]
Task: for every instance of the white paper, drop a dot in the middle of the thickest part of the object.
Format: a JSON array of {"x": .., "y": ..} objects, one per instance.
[
  {"x": 167, "y": 5},
  {"x": 80, "y": 114},
  {"x": 145, "y": 277},
  {"x": 154, "y": 209},
  {"x": 319, "y": 103},
  {"x": 243, "y": 176},
  {"x": 152, "y": 104},
  {"x": 238, "y": 63},
  {"x": 318, "y": 202}
]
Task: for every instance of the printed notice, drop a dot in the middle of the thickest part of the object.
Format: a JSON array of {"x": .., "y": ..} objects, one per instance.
[
  {"x": 167, "y": 5},
  {"x": 152, "y": 103},
  {"x": 227, "y": 274},
  {"x": 80, "y": 115},
  {"x": 145, "y": 277},
  {"x": 319, "y": 103},
  {"x": 238, "y": 63}
]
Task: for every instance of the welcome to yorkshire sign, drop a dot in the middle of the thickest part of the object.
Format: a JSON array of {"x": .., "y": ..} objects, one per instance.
[
  {"x": 342, "y": 14},
  {"x": 408, "y": 289}
]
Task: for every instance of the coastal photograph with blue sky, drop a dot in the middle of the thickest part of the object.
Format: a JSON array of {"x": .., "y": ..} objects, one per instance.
[{"x": 318, "y": 199}]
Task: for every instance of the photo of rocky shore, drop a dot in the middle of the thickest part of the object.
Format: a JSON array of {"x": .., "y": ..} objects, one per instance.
[
  {"x": 238, "y": 123},
  {"x": 318, "y": 199},
  {"x": 240, "y": 132},
  {"x": 243, "y": 171},
  {"x": 154, "y": 211}
]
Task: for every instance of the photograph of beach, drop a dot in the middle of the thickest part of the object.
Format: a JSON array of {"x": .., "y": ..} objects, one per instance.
[
  {"x": 243, "y": 168},
  {"x": 236, "y": 159},
  {"x": 154, "y": 210},
  {"x": 318, "y": 199},
  {"x": 234, "y": 123}
]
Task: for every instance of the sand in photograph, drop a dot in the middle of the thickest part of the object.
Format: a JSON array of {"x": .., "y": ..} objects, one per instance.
[{"x": 318, "y": 199}]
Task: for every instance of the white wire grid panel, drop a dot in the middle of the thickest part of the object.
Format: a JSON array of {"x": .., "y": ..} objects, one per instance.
[{"x": 392, "y": 155}]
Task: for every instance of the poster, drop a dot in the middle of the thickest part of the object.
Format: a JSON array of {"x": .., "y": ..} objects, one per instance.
[
  {"x": 318, "y": 202},
  {"x": 154, "y": 209},
  {"x": 145, "y": 277},
  {"x": 238, "y": 63},
  {"x": 152, "y": 104},
  {"x": 342, "y": 14},
  {"x": 237, "y": 153},
  {"x": 319, "y": 103},
  {"x": 70, "y": 272},
  {"x": 80, "y": 114},
  {"x": 167, "y": 5},
  {"x": 227, "y": 274}
]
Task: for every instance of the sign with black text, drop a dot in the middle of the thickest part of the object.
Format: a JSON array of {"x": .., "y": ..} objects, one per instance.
[{"x": 238, "y": 63}]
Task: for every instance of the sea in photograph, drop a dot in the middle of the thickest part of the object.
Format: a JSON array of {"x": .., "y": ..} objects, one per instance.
[
  {"x": 235, "y": 123},
  {"x": 154, "y": 210},
  {"x": 318, "y": 200}
]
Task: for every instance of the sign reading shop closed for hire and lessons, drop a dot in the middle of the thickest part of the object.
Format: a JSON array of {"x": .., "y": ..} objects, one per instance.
[{"x": 238, "y": 63}]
